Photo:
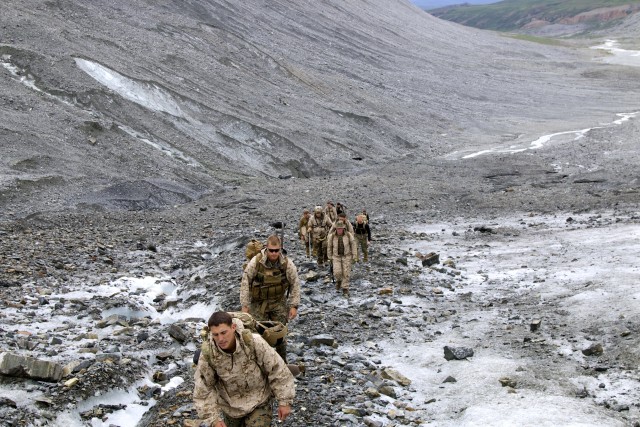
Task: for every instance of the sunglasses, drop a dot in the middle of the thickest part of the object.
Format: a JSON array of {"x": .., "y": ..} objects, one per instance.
[{"x": 274, "y": 250}]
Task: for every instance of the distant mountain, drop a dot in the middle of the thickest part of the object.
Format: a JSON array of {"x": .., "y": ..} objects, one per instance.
[
  {"x": 539, "y": 16},
  {"x": 433, "y": 4}
]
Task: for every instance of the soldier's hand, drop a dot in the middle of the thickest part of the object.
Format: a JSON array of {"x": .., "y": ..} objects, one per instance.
[
  {"x": 220, "y": 424},
  {"x": 283, "y": 412},
  {"x": 293, "y": 312}
]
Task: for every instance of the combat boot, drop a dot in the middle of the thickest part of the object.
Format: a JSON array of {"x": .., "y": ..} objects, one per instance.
[
  {"x": 345, "y": 293},
  {"x": 338, "y": 285}
]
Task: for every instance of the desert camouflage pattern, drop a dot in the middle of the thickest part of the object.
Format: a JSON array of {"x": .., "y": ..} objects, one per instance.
[
  {"x": 276, "y": 311},
  {"x": 242, "y": 381},
  {"x": 250, "y": 273},
  {"x": 349, "y": 227},
  {"x": 331, "y": 212},
  {"x": 342, "y": 263},
  {"x": 363, "y": 243},
  {"x": 318, "y": 229},
  {"x": 260, "y": 417},
  {"x": 302, "y": 226},
  {"x": 303, "y": 234}
]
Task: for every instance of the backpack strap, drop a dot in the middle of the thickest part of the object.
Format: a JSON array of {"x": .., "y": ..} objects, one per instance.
[{"x": 247, "y": 337}]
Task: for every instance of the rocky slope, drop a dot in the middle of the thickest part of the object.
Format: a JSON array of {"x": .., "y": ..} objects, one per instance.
[{"x": 138, "y": 105}]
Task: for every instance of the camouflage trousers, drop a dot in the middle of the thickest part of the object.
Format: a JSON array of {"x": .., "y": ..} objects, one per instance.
[
  {"x": 320, "y": 246},
  {"x": 342, "y": 270},
  {"x": 363, "y": 244},
  {"x": 276, "y": 311},
  {"x": 260, "y": 417},
  {"x": 307, "y": 246}
]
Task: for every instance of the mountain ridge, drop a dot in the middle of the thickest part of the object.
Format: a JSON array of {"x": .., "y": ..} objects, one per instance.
[{"x": 538, "y": 16}]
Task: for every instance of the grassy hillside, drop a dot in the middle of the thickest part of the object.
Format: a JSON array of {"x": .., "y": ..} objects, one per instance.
[{"x": 513, "y": 14}]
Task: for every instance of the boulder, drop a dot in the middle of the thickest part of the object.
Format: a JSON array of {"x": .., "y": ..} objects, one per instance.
[
  {"x": 15, "y": 365},
  {"x": 593, "y": 350},
  {"x": 324, "y": 339},
  {"x": 178, "y": 333},
  {"x": 457, "y": 353},
  {"x": 392, "y": 374}
]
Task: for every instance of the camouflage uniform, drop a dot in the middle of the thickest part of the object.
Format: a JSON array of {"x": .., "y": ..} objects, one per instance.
[
  {"x": 331, "y": 212},
  {"x": 239, "y": 388},
  {"x": 317, "y": 228},
  {"x": 363, "y": 237},
  {"x": 342, "y": 262},
  {"x": 302, "y": 232},
  {"x": 265, "y": 287},
  {"x": 349, "y": 227}
]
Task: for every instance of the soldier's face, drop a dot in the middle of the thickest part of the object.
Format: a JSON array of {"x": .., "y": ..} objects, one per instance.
[
  {"x": 339, "y": 231},
  {"x": 273, "y": 252},
  {"x": 224, "y": 336}
]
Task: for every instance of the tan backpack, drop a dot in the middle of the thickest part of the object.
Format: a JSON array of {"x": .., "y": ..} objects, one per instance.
[{"x": 253, "y": 248}]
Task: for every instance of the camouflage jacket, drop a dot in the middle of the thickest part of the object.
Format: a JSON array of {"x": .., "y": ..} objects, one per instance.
[
  {"x": 252, "y": 269},
  {"x": 318, "y": 228},
  {"x": 347, "y": 223},
  {"x": 350, "y": 246},
  {"x": 238, "y": 383},
  {"x": 331, "y": 212},
  {"x": 302, "y": 226}
]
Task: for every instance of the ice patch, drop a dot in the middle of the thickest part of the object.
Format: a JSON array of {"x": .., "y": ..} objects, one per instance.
[
  {"x": 149, "y": 95},
  {"x": 164, "y": 148},
  {"x": 587, "y": 264},
  {"x": 619, "y": 56},
  {"x": 21, "y": 74},
  {"x": 128, "y": 416}
]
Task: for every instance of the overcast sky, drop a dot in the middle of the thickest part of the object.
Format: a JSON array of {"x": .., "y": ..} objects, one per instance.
[{"x": 432, "y": 4}]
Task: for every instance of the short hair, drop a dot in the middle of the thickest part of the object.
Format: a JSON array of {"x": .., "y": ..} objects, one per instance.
[
  {"x": 342, "y": 215},
  {"x": 220, "y": 317},
  {"x": 305, "y": 211},
  {"x": 274, "y": 240}
]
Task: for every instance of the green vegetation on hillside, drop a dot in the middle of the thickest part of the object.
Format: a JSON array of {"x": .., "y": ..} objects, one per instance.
[{"x": 510, "y": 15}]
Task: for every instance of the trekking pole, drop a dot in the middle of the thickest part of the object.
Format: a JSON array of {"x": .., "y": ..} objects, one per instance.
[{"x": 333, "y": 279}]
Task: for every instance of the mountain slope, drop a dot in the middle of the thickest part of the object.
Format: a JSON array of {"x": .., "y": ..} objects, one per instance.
[
  {"x": 138, "y": 104},
  {"x": 517, "y": 15}
]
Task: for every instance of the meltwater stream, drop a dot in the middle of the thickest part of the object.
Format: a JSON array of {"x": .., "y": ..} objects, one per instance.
[{"x": 574, "y": 135}]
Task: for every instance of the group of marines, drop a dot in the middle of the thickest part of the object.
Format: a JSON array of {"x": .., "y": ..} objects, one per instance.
[
  {"x": 238, "y": 373},
  {"x": 330, "y": 237}
]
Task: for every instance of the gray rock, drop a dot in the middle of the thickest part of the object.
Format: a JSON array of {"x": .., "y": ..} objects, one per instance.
[
  {"x": 371, "y": 422},
  {"x": 178, "y": 333},
  {"x": 508, "y": 382},
  {"x": 15, "y": 365},
  {"x": 388, "y": 390},
  {"x": 457, "y": 353},
  {"x": 594, "y": 349},
  {"x": 324, "y": 339},
  {"x": 535, "y": 325},
  {"x": 429, "y": 259},
  {"x": 392, "y": 374}
]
